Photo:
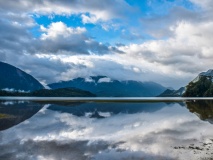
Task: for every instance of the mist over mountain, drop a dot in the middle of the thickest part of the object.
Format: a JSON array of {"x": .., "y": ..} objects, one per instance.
[
  {"x": 12, "y": 78},
  {"x": 201, "y": 86},
  {"x": 105, "y": 86},
  {"x": 173, "y": 93}
]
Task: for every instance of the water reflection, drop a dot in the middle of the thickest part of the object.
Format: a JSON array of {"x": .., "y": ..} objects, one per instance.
[
  {"x": 15, "y": 112},
  {"x": 111, "y": 131},
  {"x": 106, "y": 109},
  {"x": 203, "y": 109}
]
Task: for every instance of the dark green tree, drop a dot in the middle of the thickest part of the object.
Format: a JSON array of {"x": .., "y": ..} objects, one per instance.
[{"x": 203, "y": 87}]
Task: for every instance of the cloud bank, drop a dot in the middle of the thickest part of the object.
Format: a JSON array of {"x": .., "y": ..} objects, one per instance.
[
  {"x": 118, "y": 39},
  {"x": 122, "y": 135}
]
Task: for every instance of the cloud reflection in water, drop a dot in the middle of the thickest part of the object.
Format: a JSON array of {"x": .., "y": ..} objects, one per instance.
[{"x": 146, "y": 134}]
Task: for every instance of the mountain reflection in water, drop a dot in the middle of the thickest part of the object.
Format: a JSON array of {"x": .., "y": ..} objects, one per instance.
[
  {"x": 93, "y": 130},
  {"x": 81, "y": 109},
  {"x": 15, "y": 112},
  {"x": 204, "y": 109}
]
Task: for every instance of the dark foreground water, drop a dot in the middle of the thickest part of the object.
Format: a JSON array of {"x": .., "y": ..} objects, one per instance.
[{"x": 106, "y": 130}]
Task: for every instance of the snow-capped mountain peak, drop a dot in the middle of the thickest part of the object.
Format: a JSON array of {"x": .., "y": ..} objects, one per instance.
[{"x": 208, "y": 73}]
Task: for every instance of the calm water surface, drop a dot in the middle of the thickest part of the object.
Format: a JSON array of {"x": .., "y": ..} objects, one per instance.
[{"x": 106, "y": 130}]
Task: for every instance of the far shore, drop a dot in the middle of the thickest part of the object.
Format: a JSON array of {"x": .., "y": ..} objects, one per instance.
[{"x": 107, "y": 99}]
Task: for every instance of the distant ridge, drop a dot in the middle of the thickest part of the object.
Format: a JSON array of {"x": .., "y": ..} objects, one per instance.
[
  {"x": 104, "y": 86},
  {"x": 173, "y": 93}
]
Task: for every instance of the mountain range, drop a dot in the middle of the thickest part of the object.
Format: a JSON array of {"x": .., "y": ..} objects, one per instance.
[
  {"x": 106, "y": 87},
  {"x": 14, "y": 81}
]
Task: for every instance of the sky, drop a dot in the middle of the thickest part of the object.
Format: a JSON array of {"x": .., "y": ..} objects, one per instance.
[{"x": 165, "y": 41}]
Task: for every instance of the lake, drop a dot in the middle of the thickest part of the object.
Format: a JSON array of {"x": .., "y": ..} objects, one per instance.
[{"x": 106, "y": 129}]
